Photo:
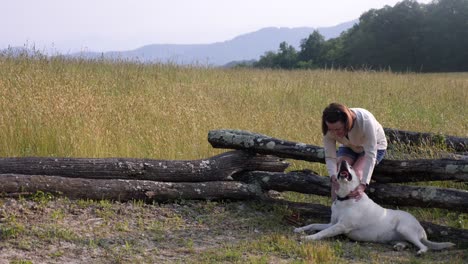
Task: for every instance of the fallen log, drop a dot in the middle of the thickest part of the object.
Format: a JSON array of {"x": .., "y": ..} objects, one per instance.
[
  {"x": 425, "y": 197},
  {"x": 310, "y": 183},
  {"x": 126, "y": 190},
  {"x": 306, "y": 182},
  {"x": 458, "y": 144},
  {"x": 421, "y": 170},
  {"x": 258, "y": 143},
  {"x": 216, "y": 168},
  {"x": 304, "y": 212},
  {"x": 387, "y": 171}
]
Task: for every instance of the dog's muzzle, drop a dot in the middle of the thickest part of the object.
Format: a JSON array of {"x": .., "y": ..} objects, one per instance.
[{"x": 344, "y": 172}]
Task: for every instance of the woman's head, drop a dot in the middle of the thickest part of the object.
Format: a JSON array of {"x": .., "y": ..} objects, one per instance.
[{"x": 337, "y": 118}]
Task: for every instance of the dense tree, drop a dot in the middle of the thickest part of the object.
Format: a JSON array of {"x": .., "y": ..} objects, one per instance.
[
  {"x": 389, "y": 37},
  {"x": 267, "y": 61},
  {"x": 333, "y": 52},
  {"x": 446, "y": 38},
  {"x": 286, "y": 58},
  {"x": 407, "y": 37},
  {"x": 311, "y": 50}
]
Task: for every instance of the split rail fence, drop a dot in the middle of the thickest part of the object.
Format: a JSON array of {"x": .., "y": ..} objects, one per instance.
[{"x": 255, "y": 166}]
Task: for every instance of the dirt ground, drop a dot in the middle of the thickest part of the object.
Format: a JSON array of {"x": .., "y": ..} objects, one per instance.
[{"x": 44, "y": 229}]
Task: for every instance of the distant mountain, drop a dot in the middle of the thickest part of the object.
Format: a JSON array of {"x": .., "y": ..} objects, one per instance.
[{"x": 245, "y": 47}]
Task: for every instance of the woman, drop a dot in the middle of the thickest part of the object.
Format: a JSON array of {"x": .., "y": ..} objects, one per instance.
[{"x": 362, "y": 143}]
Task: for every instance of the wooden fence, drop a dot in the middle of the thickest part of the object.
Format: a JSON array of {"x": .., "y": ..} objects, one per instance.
[{"x": 256, "y": 166}]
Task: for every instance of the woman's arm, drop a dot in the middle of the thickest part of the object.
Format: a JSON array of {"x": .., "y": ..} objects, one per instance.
[
  {"x": 329, "y": 145},
  {"x": 370, "y": 148}
]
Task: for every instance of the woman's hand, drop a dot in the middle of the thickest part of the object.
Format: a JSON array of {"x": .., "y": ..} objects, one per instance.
[{"x": 357, "y": 193}]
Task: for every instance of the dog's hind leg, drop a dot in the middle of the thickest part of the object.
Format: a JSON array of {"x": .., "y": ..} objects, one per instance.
[
  {"x": 317, "y": 227},
  {"x": 414, "y": 236}
]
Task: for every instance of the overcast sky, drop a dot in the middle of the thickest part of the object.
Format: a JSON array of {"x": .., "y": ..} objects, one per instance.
[{"x": 104, "y": 25}]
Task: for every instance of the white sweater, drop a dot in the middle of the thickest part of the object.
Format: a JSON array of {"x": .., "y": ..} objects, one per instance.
[{"x": 366, "y": 135}]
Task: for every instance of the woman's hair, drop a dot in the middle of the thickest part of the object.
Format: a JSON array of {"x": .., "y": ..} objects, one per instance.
[{"x": 335, "y": 112}]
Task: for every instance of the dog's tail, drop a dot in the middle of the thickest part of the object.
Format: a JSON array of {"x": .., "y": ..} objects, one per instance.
[{"x": 436, "y": 245}]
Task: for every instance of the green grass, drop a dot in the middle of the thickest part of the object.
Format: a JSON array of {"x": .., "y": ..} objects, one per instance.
[{"x": 76, "y": 108}]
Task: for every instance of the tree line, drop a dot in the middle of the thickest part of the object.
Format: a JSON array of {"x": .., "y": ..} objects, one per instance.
[{"x": 407, "y": 37}]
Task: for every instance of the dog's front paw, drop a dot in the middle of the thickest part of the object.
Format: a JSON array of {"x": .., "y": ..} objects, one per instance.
[
  {"x": 298, "y": 230},
  {"x": 308, "y": 238}
]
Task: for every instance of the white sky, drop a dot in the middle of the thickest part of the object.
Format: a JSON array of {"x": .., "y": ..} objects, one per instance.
[{"x": 104, "y": 25}]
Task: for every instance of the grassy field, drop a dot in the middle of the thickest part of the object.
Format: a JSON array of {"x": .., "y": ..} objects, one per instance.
[{"x": 76, "y": 108}]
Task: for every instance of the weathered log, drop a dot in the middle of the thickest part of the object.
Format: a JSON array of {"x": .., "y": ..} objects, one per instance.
[
  {"x": 125, "y": 190},
  {"x": 421, "y": 170},
  {"x": 310, "y": 183},
  {"x": 442, "y": 233},
  {"x": 306, "y": 182},
  {"x": 458, "y": 144},
  {"x": 425, "y": 197},
  {"x": 306, "y": 211},
  {"x": 386, "y": 171},
  {"x": 258, "y": 143},
  {"x": 216, "y": 168}
]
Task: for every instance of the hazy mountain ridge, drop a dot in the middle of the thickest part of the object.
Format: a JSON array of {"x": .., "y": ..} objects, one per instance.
[{"x": 244, "y": 47}]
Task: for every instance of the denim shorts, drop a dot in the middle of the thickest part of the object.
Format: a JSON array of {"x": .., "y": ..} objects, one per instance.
[{"x": 348, "y": 152}]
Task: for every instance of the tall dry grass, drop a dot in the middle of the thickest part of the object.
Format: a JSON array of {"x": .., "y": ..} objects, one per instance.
[
  {"x": 59, "y": 107},
  {"x": 77, "y": 108}
]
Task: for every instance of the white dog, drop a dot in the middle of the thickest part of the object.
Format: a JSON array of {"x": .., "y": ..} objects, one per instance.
[{"x": 364, "y": 220}]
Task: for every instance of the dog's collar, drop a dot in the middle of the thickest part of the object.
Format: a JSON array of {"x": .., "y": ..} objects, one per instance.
[{"x": 343, "y": 198}]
